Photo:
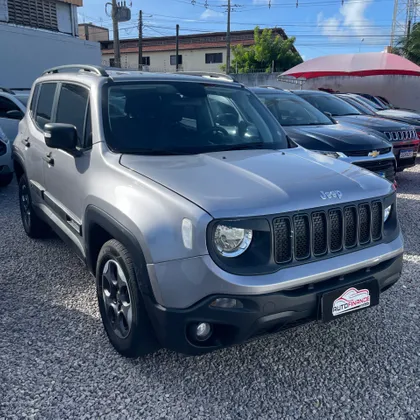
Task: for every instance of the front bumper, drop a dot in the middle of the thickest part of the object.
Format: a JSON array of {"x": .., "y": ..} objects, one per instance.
[
  {"x": 260, "y": 314},
  {"x": 405, "y": 145}
]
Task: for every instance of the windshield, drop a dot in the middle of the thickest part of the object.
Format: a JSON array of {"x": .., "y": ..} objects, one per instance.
[
  {"x": 335, "y": 106},
  {"x": 290, "y": 110},
  {"x": 369, "y": 103},
  {"x": 184, "y": 117},
  {"x": 364, "y": 108}
]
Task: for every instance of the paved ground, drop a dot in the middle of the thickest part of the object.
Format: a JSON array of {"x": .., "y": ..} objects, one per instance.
[{"x": 55, "y": 361}]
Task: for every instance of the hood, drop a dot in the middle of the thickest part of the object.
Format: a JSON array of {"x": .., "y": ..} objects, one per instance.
[
  {"x": 408, "y": 116},
  {"x": 335, "y": 137},
  {"x": 374, "y": 123},
  {"x": 257, "y": 182}
]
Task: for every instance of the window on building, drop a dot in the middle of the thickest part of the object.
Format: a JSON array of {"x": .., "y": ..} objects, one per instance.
[
  {"x": 34, "y": 13},
  {"x": 146, "y": 61},
  {"x": 45, "y": 104},
  {"x": 173, "y": 59},
  {"x": 72, "y": 106},
  {"x": 112, "y": 62},
  {"x": 214, "y": 58}
]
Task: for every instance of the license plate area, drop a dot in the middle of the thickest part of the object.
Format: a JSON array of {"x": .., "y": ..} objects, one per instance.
[
  {"x": 406, "y": 154},
  {"x": 346, "y": 300}
]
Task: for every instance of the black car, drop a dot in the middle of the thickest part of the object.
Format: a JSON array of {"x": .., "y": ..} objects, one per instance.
[
  {"x": 403, "y": 137},
  {"x": 313, "y": 130}
]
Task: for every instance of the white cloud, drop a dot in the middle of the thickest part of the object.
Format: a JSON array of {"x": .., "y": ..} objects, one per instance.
[
  {"x": 351, "y": 20},
  {"x": 211, "y": 14}
]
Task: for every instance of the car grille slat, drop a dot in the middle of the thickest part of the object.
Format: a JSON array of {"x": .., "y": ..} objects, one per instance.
[
  {"x": 317, "y": 233},
  {"x": 282, "y": 240},
  {"x": 401, "y": 135},
  {"x": 366, "y": 152},
  {"x": 302, "y": 237}
]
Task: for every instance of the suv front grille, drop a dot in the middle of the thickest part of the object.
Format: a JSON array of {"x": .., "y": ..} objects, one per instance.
[
  {"x": 401, "y": 135},
  {"x": 320, "y": 233},
  {"x": 384, "y": 167},
  {"x": 366, "y": 152},
  {"x": 3, "y": 148}
]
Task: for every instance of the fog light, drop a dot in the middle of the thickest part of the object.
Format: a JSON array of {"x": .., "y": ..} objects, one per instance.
[
  {"x": 203, "y": 331},
  {"x": 226, "y": 303},
  {"x": 387, "y": 212}
]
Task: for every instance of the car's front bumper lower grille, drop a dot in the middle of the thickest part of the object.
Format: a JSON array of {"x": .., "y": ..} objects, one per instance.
[{"x": 317, "y": 234}]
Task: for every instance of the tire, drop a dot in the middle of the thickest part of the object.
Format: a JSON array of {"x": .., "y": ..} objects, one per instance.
[
  {"x": 6, "y": 179},
  {"x": 121, "y": 304},
  {"x": 33, "y": 225}
]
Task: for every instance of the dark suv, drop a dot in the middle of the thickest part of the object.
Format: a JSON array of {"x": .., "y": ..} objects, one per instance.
[
  {"x": 403, "y": 136},
  {"x": 312, "y": 129}
]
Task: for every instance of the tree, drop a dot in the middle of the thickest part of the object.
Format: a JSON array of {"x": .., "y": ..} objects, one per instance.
[
  {"x": 266, "y": 50},
  {"x": 409, "y": 46}
]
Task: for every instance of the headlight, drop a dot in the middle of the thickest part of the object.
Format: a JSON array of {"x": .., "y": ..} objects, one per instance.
[
  {"x": 231, "y": 241},
  {"x": 334, "y": 155},
  {"x": 387, "y": 212}
]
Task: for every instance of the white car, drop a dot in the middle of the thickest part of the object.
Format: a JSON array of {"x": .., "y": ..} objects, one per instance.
[
  {"x": 6, "y": 164},
  {"x": 12, "y": 109}
]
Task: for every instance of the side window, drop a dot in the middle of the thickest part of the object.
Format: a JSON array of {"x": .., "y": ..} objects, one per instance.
[
  {"x": 5, "y": 106},
  {"x": 71, "y": 108},
  {"x": 45, "y": 104},
  {"x": 88, "y": 130},
  {"x": 34, "y": 99}
]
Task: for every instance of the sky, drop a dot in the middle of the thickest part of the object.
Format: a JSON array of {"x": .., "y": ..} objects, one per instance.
[{"x": 321, "y": 27}]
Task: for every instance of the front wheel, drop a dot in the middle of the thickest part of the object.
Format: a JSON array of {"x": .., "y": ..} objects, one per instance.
[{"x": 121, "y": 304}]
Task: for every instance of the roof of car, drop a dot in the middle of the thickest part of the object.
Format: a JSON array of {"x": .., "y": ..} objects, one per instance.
[
  {"x": 270, "y": 90},
  {"x": 96, "y": 74},
  {"x": 307, "y": 92}
]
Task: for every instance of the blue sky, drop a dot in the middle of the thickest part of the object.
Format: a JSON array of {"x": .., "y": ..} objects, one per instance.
[{"x": 321, "y": 27}]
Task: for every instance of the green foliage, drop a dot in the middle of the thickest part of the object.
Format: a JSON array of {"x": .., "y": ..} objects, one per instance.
[
  {"x": 409, "y": 47},
  {"x": 260, "y": 56}
]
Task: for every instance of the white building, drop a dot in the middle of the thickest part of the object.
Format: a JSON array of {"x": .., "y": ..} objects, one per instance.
[
  {"x": 202, "y": 52},
  {"x": 39, "y": 34}
]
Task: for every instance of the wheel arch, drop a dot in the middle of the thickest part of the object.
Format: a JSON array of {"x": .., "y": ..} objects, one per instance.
[{"x": 98, "y": 228}]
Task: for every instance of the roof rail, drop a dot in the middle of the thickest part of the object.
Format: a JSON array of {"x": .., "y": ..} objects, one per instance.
[
  {"x": 207, "y": 74},
  {"x": 98, "y": 70},
  {"x": 6, "y": 90},
  {"x": 271, "y": 87}
]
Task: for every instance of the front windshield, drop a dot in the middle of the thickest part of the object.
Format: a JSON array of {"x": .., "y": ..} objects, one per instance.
[
  {"x": 370, "y": 103},
  {"x": 365, "y": 109},
  {"x": 290, "y": 110},
  {"x": 184, "y": 117},
  {"x": 335, "y": 106},
  {"x": 23, "y": 99}
]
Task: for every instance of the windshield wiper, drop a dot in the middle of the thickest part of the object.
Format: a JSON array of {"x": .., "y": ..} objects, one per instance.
[
  {"x": 247, "y": 146},
  {"x": 159, "y": 152}
]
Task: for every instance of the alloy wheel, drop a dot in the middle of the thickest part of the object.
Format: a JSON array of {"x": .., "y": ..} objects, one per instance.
[{"x": 116, "y": 298}]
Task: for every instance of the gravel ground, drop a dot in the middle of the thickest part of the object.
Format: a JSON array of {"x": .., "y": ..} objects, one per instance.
[{"x": 55, "y": 361}]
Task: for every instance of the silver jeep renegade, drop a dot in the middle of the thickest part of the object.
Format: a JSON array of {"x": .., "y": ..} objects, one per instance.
[{"x": 204, "y": 225}]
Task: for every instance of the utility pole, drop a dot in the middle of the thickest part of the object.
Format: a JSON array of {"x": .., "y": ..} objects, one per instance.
[
  {"x": 228, "y": 40},
  {"x": 177, "y": 47},
  {"x": 117, "y": 54},
  {"x": 140, "y": 40}
]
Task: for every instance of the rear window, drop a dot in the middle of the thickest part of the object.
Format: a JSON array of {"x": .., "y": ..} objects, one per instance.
[{"x": 45, "y": 104}]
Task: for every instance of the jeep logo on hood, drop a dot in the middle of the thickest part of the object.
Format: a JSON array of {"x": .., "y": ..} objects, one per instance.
[{"x": 331, "y": 194}]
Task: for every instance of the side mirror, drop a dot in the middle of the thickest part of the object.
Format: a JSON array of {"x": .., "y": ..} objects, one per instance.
[
  {"x": 60, "y": 136},
  {"x": 329, "y": 115},
  {"x": 15, "y": 114}
]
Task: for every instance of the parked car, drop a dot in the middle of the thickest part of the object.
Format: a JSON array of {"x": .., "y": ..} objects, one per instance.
[
  {"x": 6, "y": 165},
  {"x": 404, "y": 137},
  {"x": 382, "y": 102},
  {"x": 312, "y": 129},
  {"x": 199, "y": 236},
  {"x": 12, "y": 110},
  {"x": 409, "y": 117}
]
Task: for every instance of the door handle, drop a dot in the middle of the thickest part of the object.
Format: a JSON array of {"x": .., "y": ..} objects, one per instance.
[
  {"x": 26, "y": 142},
  {"x": 49, "y": 159}
]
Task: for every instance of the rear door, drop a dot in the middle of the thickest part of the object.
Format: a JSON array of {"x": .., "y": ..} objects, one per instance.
[
  {"x": 34, "y": 148},
  {"x": 65, "y": 174}
]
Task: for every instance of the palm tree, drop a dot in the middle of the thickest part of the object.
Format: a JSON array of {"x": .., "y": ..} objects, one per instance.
[{"x": 409, "y": 46}]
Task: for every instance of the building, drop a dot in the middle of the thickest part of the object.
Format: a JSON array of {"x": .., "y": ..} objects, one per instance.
[
  {"x": 38, "y": 34},
  {"x": 197, "y": 52},
  {"x": 52, "y": 15},
  {"x": 92, "y": 32}
]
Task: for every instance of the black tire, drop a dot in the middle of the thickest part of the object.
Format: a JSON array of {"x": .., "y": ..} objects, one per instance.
[
  {"x": 140, "y": 338},
  {"x": 33, "y": 225},
  {"x": 6, "y": 179}
]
